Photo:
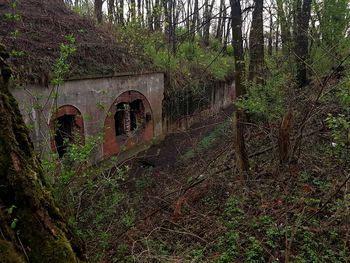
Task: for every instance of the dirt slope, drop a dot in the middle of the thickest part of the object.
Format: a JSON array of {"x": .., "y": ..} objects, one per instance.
[{"x": 33, "y": 30}]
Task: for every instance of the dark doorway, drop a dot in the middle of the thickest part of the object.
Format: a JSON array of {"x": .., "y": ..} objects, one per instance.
[
  {"x": 119, "y": 119},
  {"x": 137, "y": 112},
  {"x": 64, "y": 133}
]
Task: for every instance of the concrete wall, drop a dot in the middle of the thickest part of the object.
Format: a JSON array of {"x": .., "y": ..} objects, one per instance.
[
  {"x": 183, "y": 108},
  {"x": 93, "y": 98}
]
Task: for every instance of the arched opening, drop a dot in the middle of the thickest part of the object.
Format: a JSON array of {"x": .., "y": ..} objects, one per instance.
[
  {"x": 68, "y": 127},
  {"x": 128, "y": 122}
]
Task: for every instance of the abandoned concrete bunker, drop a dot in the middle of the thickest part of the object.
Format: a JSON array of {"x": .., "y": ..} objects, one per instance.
[{"x": 125, "y": 111}]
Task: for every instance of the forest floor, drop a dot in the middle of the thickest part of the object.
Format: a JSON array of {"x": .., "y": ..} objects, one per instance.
[{"x": 182, "y": 200}]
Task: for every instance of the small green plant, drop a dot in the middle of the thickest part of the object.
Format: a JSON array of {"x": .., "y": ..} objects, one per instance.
[
  {"x": 233, "y": 213},
  {"x": 309, "y": 249},
  {"x": 229, "y": 244},
  {"x": 61, "y": 67},
  {"x": 197, "y": 254},
  {"x": 76, "y": 157},
  {"x": 92, "y": 196},
  {"x": 255, "y": 252},
  {"x": 128, "y": 219},
  {"x": 339, "y": 124},
  {"x": 14, "y": 223},
  {"x": 11, "y": 209},
  {"x": 13, "y": 17},
  {"x": 14, "y": 34},
  {"x": 16, "y": 53}
]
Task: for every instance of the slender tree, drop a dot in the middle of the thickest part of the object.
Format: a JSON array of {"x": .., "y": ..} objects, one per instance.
[
  {"x": 120, "y": 12},
  {"x": 270, "y": 36},
  {"x": 139, "y": 11},
  {"x": 149, "y": 15},
  {"x": 98, "y": 10},
  {"x": 208, "y": 7},
  {"x": 285, "y": 28},
  {"x": 256, "y": 43},
  {"x": 111, "y": 10},
  {"x": 301, "y": 51},
  {"x": 157, "y": 13},
  {"x": 238, "y": 115},
  {"x": 195, "y": 20},
  {"x": 132, "y": 11},
  {"x": 221, "y": 21}
]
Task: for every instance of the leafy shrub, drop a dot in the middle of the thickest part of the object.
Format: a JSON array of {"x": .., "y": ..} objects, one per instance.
[
  {"x": 339, "y": 123},
  {"x": 190, "y": 60},
  {"x": 267, "y": 101}
]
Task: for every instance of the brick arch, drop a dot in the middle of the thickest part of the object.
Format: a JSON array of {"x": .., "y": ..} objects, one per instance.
[
  {"x": 116, "y": 141},
  {"x": 77, "y": 124}
]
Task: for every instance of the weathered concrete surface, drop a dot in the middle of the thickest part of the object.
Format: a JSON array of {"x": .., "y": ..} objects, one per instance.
[
  {"x": 93, "y": 98},
  {"x": 113, "y": 144},
  {"x": 183, "y": 108},
  {"x": 94, "y": 103}
]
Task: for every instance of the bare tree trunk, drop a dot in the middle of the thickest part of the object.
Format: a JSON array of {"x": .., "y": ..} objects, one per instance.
[
  {"x": 301, "y": 51},
  {"x": 35, "y": 228},
  {"x": 195, "y": 19},
  {"x": 157, "y": 12},
  {"x": 206, "y": 27},
  {"x": 220, "y": 21},
  {"x": 139, "y": 13},
  {"x": 198, "y": 21},
  {"x": 149, "y": 15},
  {"x": 238, "y": 115},
  {"x": 270, "y": 41},
  {"x": 121, "y": 12},
  {"x": 188, "y": 20},
  {"x": 277, "y": 35},
  {"x": 285, "y": 29},
  {"x": 111, "y": 10},
  {"x": 166, "y": 17},
  {"x": 173, "y": 21},
  {"x": 132, "y": 11},
  {"x": 98, "y": 10},
  {"x": 256, "y": 44},
  {"x": 227, "y": 34}
]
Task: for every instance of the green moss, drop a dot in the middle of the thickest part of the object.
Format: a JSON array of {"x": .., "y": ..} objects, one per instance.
[
  {"x": 8, "y": 254},
  {"x": 44, "y": 245},
  {"x": 40, "y": 226}
]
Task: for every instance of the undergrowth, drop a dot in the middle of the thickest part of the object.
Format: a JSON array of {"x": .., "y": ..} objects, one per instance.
[
  {"x": 191, "y": 61},
  {"x": 207, "y": 141}
]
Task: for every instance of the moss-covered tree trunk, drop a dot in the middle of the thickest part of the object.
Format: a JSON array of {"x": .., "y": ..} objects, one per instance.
[{"x": 32, "y": 228}]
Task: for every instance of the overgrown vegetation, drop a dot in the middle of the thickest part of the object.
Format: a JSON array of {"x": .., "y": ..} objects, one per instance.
[
  {"x": 191, "y": 63},
  {"x": 281, "y": 196}
]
